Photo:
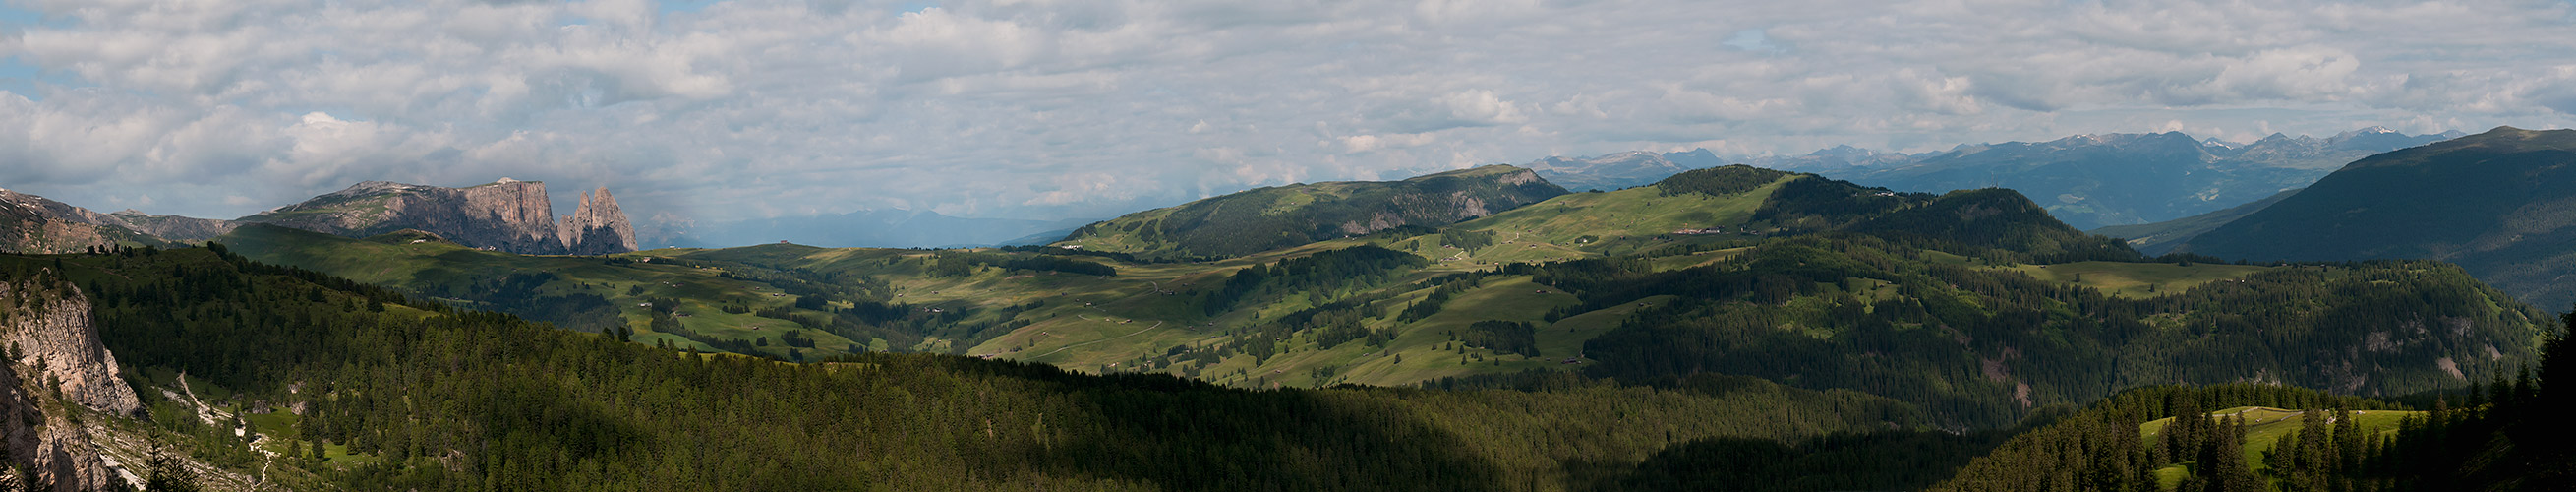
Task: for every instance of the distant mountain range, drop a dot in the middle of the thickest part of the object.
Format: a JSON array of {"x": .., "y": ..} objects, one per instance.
[
  {"x": 2088, "y": 181},
  {"x": 1621, "y": 170},
  {"x": 2092, "y": 181}
]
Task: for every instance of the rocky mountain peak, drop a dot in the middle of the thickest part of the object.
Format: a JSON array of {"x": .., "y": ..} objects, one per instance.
[{"x": 597, "y": 226}]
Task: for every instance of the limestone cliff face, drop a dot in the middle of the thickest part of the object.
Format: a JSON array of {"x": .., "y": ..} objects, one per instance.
[
  {"x": 597, "y": 227},
  {"x": 50, "y": 329},
  {"x": 49, "y": 326},
  {"x": 510, "y": 215}
]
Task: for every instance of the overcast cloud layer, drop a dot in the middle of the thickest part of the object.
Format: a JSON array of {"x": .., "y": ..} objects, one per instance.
[{"x": 1050, "y": 109}]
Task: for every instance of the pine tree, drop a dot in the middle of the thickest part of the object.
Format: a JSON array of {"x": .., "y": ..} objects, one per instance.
[{"x": 2222, "y": 459}]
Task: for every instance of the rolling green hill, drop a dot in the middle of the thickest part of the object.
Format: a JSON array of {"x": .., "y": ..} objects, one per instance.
[
  {"x": 1742, "y": 204},
  {"x": 2502, "y": 204},
  {"x": 1285, "y": 216}
]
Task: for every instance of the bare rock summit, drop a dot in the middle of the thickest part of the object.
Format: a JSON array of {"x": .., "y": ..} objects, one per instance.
[{"x": 597, "y": 227}]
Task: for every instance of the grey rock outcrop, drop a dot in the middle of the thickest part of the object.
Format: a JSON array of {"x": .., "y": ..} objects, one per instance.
[
  {"x": 597, "y": 227},
  {"x": 49, "y": 325},
  {"x": 50, "y": 329}
]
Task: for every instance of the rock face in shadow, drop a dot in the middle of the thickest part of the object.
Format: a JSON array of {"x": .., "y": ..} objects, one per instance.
[
  {"x": 509, "y": 215},
  {"x": 47, "y": 327}
]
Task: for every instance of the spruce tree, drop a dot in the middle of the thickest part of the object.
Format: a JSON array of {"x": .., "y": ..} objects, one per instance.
[{"x": 169, "y": 473}]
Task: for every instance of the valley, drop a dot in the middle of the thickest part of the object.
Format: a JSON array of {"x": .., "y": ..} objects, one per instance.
[
  {"x": 1820, "y": 317},
  {"x": 1049, "y": 246}
]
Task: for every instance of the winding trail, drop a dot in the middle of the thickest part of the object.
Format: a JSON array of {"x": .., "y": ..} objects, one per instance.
[{"x": 1061, "y": 349}]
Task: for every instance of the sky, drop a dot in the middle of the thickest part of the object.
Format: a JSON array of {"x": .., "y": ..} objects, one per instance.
[{"x": 730, "y": 109}]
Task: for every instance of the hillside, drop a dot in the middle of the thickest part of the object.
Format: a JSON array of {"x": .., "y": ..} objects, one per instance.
[
  {"x": 2129, "y": 442},
  {"x": 2263, "y": 437},
  {"x": 2163, "y": 237},
  {"x": 1285, "y": 216},
  {"x": 1744, "y": 203},
  {"x": 1984, "y": 344},
  {"x": 2501, "y": 204}
]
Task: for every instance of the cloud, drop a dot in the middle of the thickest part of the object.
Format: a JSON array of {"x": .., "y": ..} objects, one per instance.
[{"x": 744, "y": 108}]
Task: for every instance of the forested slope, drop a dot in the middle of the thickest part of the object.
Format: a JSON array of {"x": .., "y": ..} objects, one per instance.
[
  {"x": 2504, "y": 435},
  {"x": 2501, "y": 204}
]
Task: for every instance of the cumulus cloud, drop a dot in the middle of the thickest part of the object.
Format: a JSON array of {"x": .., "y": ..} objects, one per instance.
[{"x": 742, "y": 108}]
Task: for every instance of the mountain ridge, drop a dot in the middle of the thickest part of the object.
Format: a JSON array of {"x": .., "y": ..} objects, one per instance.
[
  {"x": 35, "y": 224},
  {"x": 506, "y": 215},
  {"x": 2500, "y": 203},
  {"x": 1275, "y": 217},
  {"x": 2089, "y": 181}
]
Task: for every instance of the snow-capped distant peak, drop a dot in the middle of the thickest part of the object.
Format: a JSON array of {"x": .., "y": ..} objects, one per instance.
[{"x": 2374, "y": 130}]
